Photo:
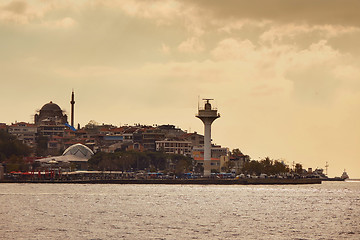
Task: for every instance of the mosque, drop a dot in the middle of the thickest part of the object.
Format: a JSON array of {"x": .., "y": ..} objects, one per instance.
[{"x": 51, "y": 121}]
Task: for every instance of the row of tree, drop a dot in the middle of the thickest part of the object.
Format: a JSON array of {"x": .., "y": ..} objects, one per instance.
[
  {"x": 12, "y": 152},
  {"x": 134, "y": 161},
  {"x": 269, "y": 167}
]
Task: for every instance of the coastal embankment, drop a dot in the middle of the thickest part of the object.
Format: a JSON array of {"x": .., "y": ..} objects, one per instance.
[{"x": 246, "y": 181}]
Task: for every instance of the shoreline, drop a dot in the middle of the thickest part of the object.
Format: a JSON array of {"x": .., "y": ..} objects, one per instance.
[{"x": 250, "y": 181}]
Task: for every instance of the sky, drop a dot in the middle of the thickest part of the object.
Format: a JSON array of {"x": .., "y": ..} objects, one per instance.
[{"x": 285, "y": 74}]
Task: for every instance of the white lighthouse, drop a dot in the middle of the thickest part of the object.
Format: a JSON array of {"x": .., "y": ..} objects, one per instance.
[{"x": 207, "y": 115}]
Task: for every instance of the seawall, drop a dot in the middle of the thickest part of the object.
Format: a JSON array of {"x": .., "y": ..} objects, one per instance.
[{"x": 247, "y": 181}]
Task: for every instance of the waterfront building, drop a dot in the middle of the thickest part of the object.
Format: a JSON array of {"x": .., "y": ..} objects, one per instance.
[
  {"x": 216, "y": 151},
  {"x": 174, "y": 147},
  {"x": 238, "y": 162},
  {"x": 25, "y": 132},
  {"x": 223, "y": 161},
  {"x": 195, "y": 138},
  {"x": 3, "y": 127},
  {"x": 77, "y": 155},
  {"x": 219, "y": 155},
  {"x": 149, "y": 136},
  {"x": 171, "y": 131}
]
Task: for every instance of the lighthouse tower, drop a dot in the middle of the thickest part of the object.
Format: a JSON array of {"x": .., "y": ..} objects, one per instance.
[{"x": 207, "y": 115}]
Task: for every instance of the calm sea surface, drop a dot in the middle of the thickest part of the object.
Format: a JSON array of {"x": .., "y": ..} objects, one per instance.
[{"x": 69, "y": 211}]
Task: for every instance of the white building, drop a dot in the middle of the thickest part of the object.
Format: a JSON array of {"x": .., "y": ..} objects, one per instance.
[
  {"x": 25, "y": 132},
  {"x": 175, "y": 147},
  {"x": 77, "y": 154}
]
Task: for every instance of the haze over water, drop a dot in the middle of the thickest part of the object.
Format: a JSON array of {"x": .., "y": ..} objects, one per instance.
[{"x": 71, "y": 211}]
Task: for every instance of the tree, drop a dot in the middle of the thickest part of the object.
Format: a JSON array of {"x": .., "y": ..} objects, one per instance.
[
  {"x": 228, "y": 166},
  {"x": 9, "y": 146},
  {"x": 267, "y": 165},
  {"x": 41, "y": 145},
  {"x": 12, "y": 152},
  {"x": 298, "y": 168},
  {"x": 236, "y": 153},
  {"x": 134, "y": 160},
  {"x": 252, "y": 167},
  {"x": 199, "y": 168},
  {"x": 279, "y": 167}
]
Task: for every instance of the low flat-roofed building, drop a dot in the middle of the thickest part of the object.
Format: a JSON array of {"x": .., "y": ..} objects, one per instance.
[
  {"x": 216, "y": 151},
  {"x": 174, "y": 147},
  {"x": 215, "y": 163}
]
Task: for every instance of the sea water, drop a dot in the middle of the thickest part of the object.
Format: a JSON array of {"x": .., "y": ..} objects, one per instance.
[{"x": 330, "y": 210}]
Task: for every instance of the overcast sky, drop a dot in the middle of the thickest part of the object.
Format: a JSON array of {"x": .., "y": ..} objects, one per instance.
[{"x": 285, "y": 74}]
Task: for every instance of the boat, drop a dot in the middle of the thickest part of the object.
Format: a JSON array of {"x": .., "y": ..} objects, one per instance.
[{"x": 344, "y": 175}]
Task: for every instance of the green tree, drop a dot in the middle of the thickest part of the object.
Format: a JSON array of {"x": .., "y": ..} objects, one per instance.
[
  {"x": 236, "y": 153},
  {"x": 12, "y": 152},
  {"x": 228, "y": 166},
  {"x": 267, "y": 165},
  {"x": 298, "y": 168},
  {"x": 199, "y": 168},
  {"x": 253, "y": 167},
  {"x": 9, "y": 146},
  {"x": 279, "y": 167},
  {"x": 41, "y": 145},
  {"x": 134, "y": 160}
]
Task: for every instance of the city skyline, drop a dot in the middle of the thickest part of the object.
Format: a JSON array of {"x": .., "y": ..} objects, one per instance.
[{"x": 286, "y": 78}]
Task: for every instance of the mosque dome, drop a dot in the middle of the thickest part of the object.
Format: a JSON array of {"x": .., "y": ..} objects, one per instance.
[
  {"x": 50, "y": 111},
  {"x": 79, "y": 150},
  {"x": 51, "y": 107}
]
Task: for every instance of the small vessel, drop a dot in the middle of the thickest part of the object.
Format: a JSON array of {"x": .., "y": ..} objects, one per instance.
[{"x": 344, "y": 175}]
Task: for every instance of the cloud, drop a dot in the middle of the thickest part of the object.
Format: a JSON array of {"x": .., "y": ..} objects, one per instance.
[
  {"x": 17, "y": 7},
  {"x": 163, "y": 12},
  {"x": 290, "y": 32},
  {"x": 14, "y": 11},
  {"x": 165, "y": 49},
  {"x": 232, "y": 49},
  {"x": 238, "y": 24},
  {"x": 63, "y": 23},
  {"x": 27, "y": 12},
  {"x": 322, "y": 12},
  {"x": 191, "y": 45}
]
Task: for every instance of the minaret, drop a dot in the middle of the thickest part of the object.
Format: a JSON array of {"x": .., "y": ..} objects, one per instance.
[
  {"x": 207, "y": 115},
  {"x": 72, "y": 108}
]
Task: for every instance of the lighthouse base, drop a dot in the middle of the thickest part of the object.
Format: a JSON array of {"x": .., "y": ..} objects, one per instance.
[{"x": 207, "y": 168}]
